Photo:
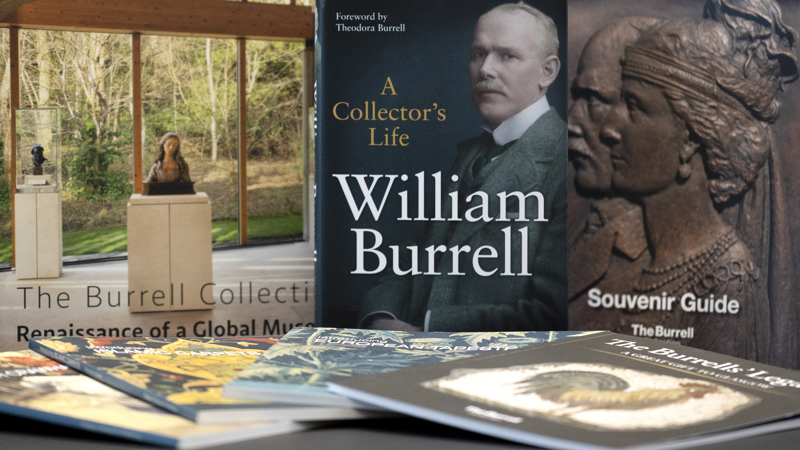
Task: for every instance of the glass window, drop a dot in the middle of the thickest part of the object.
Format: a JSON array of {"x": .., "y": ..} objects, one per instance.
[
  {"x": 6, "y": 171},
  {"x": 88, "y": 77},
  {"x": 274, "y": 141},
  {"x": 189, "y": 87}
]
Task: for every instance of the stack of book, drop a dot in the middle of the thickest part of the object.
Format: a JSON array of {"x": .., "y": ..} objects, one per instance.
[
  {"x": 444, "y": 200},
  {"x": 552, "y": 389}
]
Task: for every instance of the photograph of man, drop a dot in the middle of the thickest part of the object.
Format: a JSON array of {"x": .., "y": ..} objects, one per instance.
[{"x": 520, "y": 160}]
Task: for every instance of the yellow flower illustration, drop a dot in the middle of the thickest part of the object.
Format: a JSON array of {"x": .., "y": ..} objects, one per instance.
[{"x": 59, "y": 346}]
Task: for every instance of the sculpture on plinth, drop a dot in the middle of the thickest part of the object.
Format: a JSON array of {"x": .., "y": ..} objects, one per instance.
[
  {"x": 38, "y": 159},
  {"x": 169, "y": 175}
]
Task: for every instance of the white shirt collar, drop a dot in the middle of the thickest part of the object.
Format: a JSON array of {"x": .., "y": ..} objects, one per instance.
[{"x": 514, "y": 127}]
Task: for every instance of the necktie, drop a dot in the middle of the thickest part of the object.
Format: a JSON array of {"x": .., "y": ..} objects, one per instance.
[{"x": 491, "y": 153}]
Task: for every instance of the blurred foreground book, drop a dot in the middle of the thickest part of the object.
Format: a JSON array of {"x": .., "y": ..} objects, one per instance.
[
  {"x": 182, "y": 375},
  {"x": 35, "y": 387},
  {"x": 296, "y": 369}
]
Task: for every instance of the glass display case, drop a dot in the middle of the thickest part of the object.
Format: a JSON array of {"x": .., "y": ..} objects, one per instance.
[{"x": 38, "y": 167}]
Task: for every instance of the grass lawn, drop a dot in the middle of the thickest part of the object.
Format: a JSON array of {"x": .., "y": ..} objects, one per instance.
[
  {"x": 115, "y": 239},
  {"x": 287, "y": 225}
]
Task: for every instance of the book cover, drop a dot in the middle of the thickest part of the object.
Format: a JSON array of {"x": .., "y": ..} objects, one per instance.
[
  {"x": 258, "y": 195},
  {"x": 297, "y": 368},
  {"x": 682, "y": 232},
  {"x": 183, "y": 376},
  {"x": 424, "y": 217},
  {"x": 39, "y": 388},
  {"x": 600, "y": 391}
]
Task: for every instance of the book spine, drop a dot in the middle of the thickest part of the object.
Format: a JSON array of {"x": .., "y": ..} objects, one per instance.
[
  {"x": 87, "y": 425},
  {"x": 112, "y": 381},
  {"x": 319, "y": 154}
]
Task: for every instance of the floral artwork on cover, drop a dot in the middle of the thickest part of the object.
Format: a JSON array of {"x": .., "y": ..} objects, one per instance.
[
  {"x": 186, "y": 371},
  {"x": 315, "y": 356},
  {"x": 43, "y": 386}
]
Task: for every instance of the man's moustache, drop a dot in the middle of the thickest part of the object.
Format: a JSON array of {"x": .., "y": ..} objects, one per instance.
[{"x": 488, "y": 86}]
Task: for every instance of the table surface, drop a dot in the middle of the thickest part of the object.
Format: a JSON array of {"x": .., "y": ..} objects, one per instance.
[{"x": 386, "y": 434}]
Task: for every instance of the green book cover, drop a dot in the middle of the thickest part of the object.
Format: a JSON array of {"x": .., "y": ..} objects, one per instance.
[{"x": 298, "y": 367}]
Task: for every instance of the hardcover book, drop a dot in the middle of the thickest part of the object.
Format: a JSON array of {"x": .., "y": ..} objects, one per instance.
[
  {"x": 39, "y": 388},
  {"x": 425, "y": 217},
  {"x": 183, "y": 376},
  {"x": 683, "y": 232},
  {"x": 600, "y": 391},
  {"x": 297, "y": 368}
]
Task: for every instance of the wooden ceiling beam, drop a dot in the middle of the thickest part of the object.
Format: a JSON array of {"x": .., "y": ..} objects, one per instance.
[{"x": 200, "y": 18}]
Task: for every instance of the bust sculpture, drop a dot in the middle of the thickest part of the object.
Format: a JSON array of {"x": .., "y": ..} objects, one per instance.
[
  {"x": 37, "y": 152},
  {"x": 169, "y": 173}
]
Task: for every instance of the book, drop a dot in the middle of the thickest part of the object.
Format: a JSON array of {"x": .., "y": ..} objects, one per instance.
[
  {"x": 256, "y": 289},
  {"x": 35, "y": 387},
  {"x": 724, "y": 278},
  {"x": 600, "y": 391},
  {"x": 298, "y": 367},
  {"x": 183, "y": 376},
  {"x": 423, "y": 216}
]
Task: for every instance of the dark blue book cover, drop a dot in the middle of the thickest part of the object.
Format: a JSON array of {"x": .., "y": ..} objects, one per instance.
[{"x": 441, "y": 164}]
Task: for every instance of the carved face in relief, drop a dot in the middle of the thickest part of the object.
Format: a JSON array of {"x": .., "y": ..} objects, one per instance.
[
  {"x": 507, "y": 71},
  {"x": 171, "y": 146},
  {"x": 595, "y": 90},
  {"x": 645, "y": 138},
  {"x": 594, "y": 93}
]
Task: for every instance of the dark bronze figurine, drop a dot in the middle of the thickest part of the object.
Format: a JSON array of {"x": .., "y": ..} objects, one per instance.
[{"x": 38, "y": 159}]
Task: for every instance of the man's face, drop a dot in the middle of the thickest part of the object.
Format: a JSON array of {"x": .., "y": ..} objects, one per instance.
[
  {"x": 506, "y": 69},
  {"x": 595, "y": 91}
]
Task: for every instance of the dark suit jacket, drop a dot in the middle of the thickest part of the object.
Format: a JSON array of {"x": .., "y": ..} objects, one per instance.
[{"x": 536, "y": 162}]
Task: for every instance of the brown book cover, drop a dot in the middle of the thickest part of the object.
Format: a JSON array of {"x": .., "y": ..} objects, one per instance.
[{"x": 682, "y": 137}]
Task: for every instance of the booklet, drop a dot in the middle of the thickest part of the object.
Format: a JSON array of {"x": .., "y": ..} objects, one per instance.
[
  {"x": 35, "y": 387},
  {"x": 296, "y": 369},
  {"x": 184, "y": 376},
  {"x": 715, "y": 267},
  {"x": 592, "y": 392}
]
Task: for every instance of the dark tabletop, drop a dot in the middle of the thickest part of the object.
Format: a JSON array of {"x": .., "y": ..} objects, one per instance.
[{"x": 383, "y": 434}]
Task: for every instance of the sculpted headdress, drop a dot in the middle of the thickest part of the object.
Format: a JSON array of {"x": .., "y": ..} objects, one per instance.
[
  {"x": 724, "y": 85},
  {"x": 669, "y": 72}
]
